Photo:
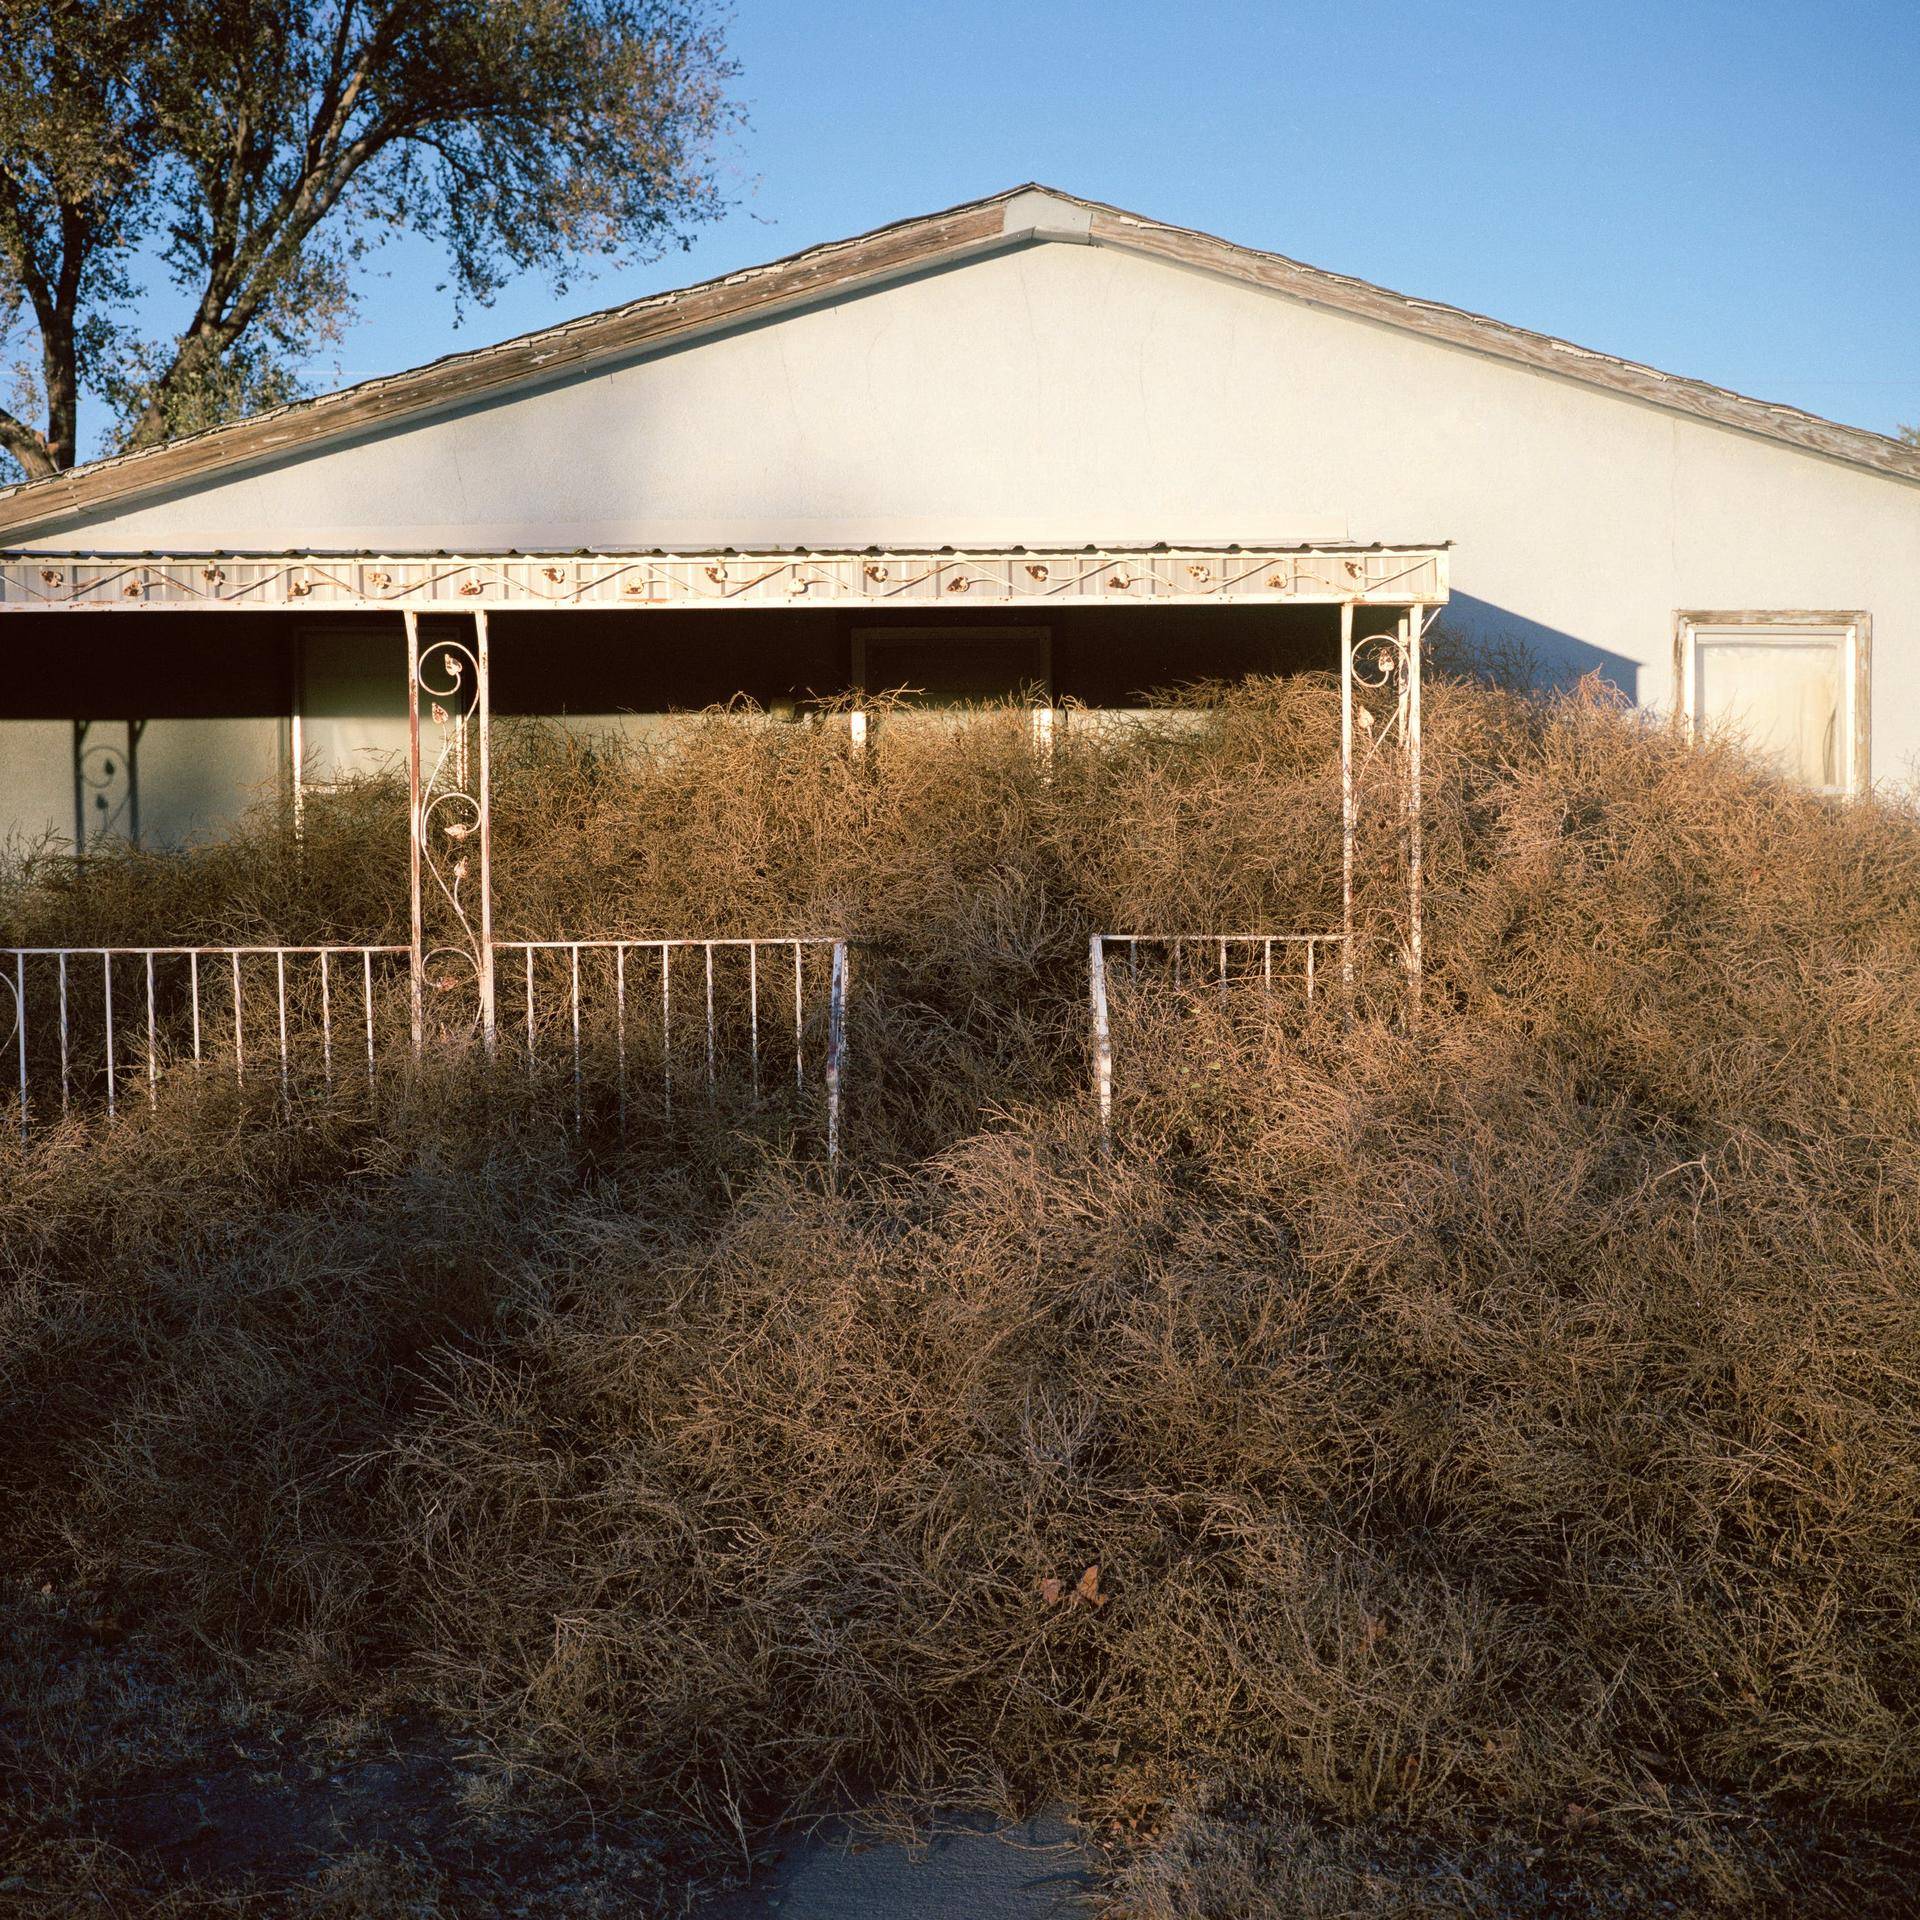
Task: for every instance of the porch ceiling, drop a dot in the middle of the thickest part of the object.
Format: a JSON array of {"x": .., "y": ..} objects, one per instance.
[{"x": 1094, "y": 575}]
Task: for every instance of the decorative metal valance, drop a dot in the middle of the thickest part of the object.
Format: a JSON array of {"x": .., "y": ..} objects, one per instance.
[{"x": 873, "y": 578}]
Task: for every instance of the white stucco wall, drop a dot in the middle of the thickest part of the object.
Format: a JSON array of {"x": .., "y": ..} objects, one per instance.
[
  {"x": 1063, "y": 392},
  {"x": 197, "y": 775}
]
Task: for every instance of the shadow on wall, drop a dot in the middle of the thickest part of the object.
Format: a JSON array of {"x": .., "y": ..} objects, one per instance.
[{"x": 1527, "y": 652}]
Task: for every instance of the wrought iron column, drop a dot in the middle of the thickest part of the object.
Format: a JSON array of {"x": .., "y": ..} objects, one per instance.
[
  {"x": 1387, "y": 664},
  {"x": 836, "y": 1048},
  {"x": 297, "y": 728},
  {"x": 450, "y": 826},
  {"x": 416, "y": 949},
  {"x": 1102, "y": 1036},
  {"x": 1348, "y": 817},
  {"x": 1415, "y": 847}
]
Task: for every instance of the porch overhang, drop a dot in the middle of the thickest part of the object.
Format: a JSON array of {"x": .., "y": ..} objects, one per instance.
[{"x": 1278, "y": 574}]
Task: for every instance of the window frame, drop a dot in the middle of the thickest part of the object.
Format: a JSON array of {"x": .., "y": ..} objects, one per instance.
[{"x": 1852, "y": 628}]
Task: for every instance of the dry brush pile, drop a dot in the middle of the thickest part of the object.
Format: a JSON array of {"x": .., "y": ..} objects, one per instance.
[{"x": 1469, "y": 1424}]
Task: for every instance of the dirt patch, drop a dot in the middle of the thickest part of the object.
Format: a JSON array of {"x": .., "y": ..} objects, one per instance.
[
  {"x": 1729, "y": 1858},
  {"x": 152, "y": 1789},
  {"x": 161, "y": 1788}
]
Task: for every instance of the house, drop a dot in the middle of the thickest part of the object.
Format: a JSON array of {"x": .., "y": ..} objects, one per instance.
[{"x": 1032, "y": 443}]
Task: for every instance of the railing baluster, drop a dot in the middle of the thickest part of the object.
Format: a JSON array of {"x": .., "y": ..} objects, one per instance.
[
  {"x": 20, "y": 1023},
  {"x": 712, "y": 1085},
  {"x": 193, "y": 985},
  {"x": 65, "y": 1089},
  {"x": 799, "y": 1028},
  {"x": 153, "y": 1043},
  {"x": 239, "y": 1037},
  {"x": 280, "y": 988},
  {"x": 1266, "y": 964},
  {"x": 666, "y": 1025},
  {"x": 753, "y": 1012},
  {"x": 1311, "y": 945},
  {"x": 106, "y": 968},
  {"x": 836, "y": 1048},
  {"x": 529, "y": 998},
  {"x": 620, "y": 1029},
  {"x": 366, "y": 1000},
  {"x": 576, "y": 1036},
  {"x": 326, "y": 1023}
]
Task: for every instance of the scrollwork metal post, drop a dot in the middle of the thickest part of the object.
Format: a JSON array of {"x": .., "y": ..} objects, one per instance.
[
  {"x": 450, "y": 825},
  {"x": 1349, "y": 815},
  {"x": 1380, "y": 663},
  {"x": 297, "y": 731},
  {"x": 1416, "y": 850}
]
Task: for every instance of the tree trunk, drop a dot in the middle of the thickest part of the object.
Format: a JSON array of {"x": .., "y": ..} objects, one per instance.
[{"x": 63, "y": 403}]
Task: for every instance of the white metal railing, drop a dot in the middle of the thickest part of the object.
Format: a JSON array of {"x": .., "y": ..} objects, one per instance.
[
  {"x": 755, "y": 990},
  {"x": 92, "y": 1027},
  {"x": 1196, "y": 959},
  {"x": 108, "y": 1029}
]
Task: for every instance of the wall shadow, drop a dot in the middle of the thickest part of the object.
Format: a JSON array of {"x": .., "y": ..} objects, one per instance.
[{"x": 1534, "y": 654}]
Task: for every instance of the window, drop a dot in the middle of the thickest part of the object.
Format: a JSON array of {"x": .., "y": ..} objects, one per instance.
[{"x": 1792, "y": 685}]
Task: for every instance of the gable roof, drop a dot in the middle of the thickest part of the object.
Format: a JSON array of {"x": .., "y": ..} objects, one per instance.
[{"x": 1019, "y": 216}]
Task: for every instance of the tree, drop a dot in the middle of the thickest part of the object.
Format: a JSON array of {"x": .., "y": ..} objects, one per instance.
[
  {"x": 1911, "y": 435},
  {"x": 261, "y": 149}
]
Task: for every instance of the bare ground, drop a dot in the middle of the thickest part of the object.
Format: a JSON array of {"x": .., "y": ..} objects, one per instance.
[{"x": 140, "y": 1783}]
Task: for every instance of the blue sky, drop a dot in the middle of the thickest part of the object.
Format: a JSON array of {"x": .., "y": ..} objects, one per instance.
[{"x": 1725, "y": 191}]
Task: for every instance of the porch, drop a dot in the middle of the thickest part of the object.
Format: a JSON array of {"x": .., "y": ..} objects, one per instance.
[{"x": 332, "y": 664}]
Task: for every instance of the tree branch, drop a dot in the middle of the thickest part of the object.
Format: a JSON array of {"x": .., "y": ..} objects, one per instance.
[
  {"x": 331, "y": 92},
  {"x": 27, "y": 446},
  {"x": 234, "y": 291}
]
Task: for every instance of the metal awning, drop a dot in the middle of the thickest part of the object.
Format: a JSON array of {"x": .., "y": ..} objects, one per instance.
[{"x": 873, "y": 577}]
